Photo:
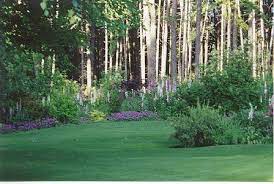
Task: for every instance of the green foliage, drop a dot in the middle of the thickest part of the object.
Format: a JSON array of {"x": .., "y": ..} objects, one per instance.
[
  {"x": 109, "y": 87},
  {"x": 204, "y": 126},
  {"x": 63, "y": 104},
  {"x": 132, "y": 103},
  {"x": 63, "y": 107},
  {"x": 257, "y": 126},
  {"x": 230, "y": 90},
  {"x": 234, "y": 88},
  {"x": 96, "y": 115}
]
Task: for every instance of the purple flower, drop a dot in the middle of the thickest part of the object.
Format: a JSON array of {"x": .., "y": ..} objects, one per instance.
[
  {"x": 130, "y": 115},
  {"x": 28, "y": 125}
]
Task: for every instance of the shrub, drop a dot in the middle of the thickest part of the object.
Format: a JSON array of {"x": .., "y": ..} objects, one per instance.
[
  {"x": 131, "y": 115},
  {"x": 63, "y": 107},
  {"x": 132, "y": 103},
  {"x": 204, "y": 126},
  {"x": 257, "y": 126},
  {"x": 233, "y": 88},
  {"x": 110, "y": 91},
  {"x": 97, "y": 115}
]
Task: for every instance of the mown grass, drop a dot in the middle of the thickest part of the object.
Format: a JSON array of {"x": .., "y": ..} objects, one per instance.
[{"x": 134, "y": 151}]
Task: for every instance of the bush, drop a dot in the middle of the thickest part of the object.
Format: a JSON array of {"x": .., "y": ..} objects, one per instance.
[
  {"x": 63, "y": 104},
  {"x": 97, "y": 115},
  {"x": 170, "y": 108},
  {"x": 110, "y": 91},
  {"x": 132, "y": 103},
  {"x": 257, "y": 126},
  {"x": 63, "y": 107},
  {"x": 204, "y": 126},
  {"x": 234, "y": 88}
]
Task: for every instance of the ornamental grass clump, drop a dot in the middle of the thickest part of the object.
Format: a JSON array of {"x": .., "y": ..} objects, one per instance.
[
  {"x": 131, "y": 115},
  {"x": 28, "y": 125}
]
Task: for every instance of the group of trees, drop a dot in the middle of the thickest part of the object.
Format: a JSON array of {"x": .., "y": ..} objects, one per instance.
[{"x": 148, "y": 40}]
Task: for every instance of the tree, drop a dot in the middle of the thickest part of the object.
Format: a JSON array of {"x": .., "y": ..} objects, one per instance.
[{"x": 198, "y": 38}]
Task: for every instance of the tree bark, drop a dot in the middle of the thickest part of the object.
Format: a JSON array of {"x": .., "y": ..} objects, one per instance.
[
  {"x": 198, "y": 39},
  {"x": 173, "y": 27},
  {"x": 164, "y": 38}
]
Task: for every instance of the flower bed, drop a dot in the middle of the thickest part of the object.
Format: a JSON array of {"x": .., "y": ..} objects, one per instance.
[
  {"x": 28, "y": 125},
  {"x": 130, "y": 115}
]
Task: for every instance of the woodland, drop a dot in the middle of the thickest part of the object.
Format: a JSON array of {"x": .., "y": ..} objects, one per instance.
[{"x": 148, "y": 75}]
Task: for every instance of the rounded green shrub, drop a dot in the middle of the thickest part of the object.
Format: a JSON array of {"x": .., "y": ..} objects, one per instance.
[{"x": 204, "y": 126}]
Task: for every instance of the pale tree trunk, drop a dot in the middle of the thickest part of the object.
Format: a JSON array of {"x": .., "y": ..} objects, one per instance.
[
  {"x": 173, "y": 35},
  {"x": 228, "y": 30},
  {"x": 189, "y": 41},
  {"x": 206, "y": 48},
  {"x": 205, "y": 20},
  {"x": 125, "y": 57},
  {"x": 262, "y": 42},
  {"x": 106, "y": 50},
  {"x": 110, "y": 56},
  {"x": 222, "y": 37},
  {"x": 239, "y": 17},
  {"x": 164, "y": 38},
  {"x": 142, "y": 51},
  {"x": 198, "y": 39},
  {"x": 185, "y": 36},
  {"x": 88, "y": 64},
  {"x": 121, "y": 54},
  {"x": 158, "y": 38},
  {"x": 180, "y": 40},
  {"x": 151, "y": 44},
  {"x": 117, "y": 56},
  {"x": 272, "y": 42},
  {"x": 254, "y": 56}
]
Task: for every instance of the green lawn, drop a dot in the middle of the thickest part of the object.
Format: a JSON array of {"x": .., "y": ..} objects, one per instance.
[{"x": 125, "y": 151}]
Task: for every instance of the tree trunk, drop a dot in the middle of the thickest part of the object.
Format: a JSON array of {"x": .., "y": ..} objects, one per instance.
[
  {"x": 240, "y": 17},
  {"x": 198, "y": 39},
  {"x": 142, "y": 47},
  {"x": 164, "y": 38},
  {"x": 106, "y": 50},
  {"x": 173, "y": 35},
  {"x": 228, "y": 30},
  {"x": 158, "y": 39},
  {"x": 222, "y": 37}
]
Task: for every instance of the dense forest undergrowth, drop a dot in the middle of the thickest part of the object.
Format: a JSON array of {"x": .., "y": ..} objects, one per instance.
[{"x": 206, "y": 66}]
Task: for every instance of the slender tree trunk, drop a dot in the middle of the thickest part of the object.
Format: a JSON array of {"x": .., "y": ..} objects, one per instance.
[
  {"x": 228, "y": 30},
  {"x": 173, "y": 27},
  {"x": 241, "y": 30},
  {"x": 151, "y": 43},
  {"x": 262, "y": 41},
  {"x": 234, "y": 30},
  {"x": 222, "y": 37},
  {"x": 164, "y": 38},
  {"x": 180, "y": 40},
  {"x": 117, "y": 57},
  {"x": 185, "y": 38},
  {"x": 110, "y": 55},
  {"x": 142, "y": 51},
  {"x": 158, "y": 38},
  {"x": 254, "y": 55},
  {"x": 206, "y": 48},
  {"x": 106, "y": 50},
  {"x": 198, "y": 39},
  {"x": 189, "y": 42}
]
